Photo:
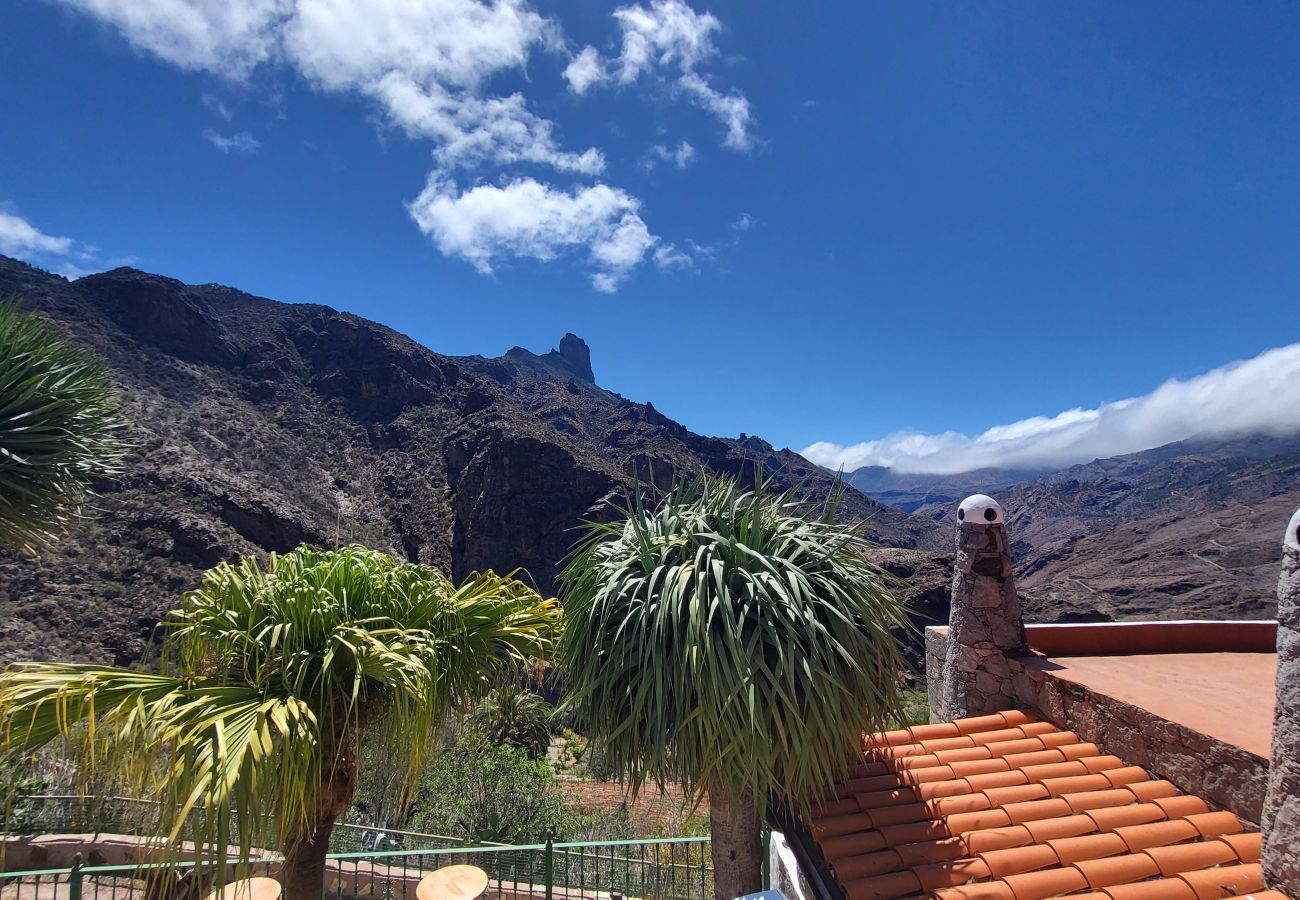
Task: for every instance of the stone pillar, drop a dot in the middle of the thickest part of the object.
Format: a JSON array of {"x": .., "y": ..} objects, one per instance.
[
  {"x": 985, "y": 627},
  {"x": 1281, "y": 820}
]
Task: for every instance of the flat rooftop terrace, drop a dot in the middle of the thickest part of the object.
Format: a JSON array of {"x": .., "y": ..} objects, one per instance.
[
  {"x": 1226, "y": 696},
  {"x": 1216, "y": 678},
  {"x": 1190, "y": 700}
]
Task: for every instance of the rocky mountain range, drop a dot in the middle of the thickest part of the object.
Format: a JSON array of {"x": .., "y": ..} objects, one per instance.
[
  {"x": 260, "y": 425},
  {"x": 1188, "y": 530}
]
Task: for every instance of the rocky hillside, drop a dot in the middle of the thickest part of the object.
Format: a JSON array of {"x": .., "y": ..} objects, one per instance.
[
  {"x": 261, "y": 425},
  {"x": 1188, "y": 530}
]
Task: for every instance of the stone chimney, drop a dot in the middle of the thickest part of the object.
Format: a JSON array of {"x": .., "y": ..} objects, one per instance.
[
  {"x": 1281, "y": 820},
  {"x": 985, "y": 627}
]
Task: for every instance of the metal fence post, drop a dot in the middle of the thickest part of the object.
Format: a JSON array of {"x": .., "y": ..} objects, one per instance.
[
  {"x": 74, "y": 879},
  {"x": 548, "y": 866}
]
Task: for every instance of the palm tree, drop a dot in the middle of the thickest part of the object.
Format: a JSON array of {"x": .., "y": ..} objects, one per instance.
[
  {"x": 59, "y": 427},
  {"x": 511, "y": 714},
  {"x": 726, "y": 642},
  {"x": 272, "y": 676}
]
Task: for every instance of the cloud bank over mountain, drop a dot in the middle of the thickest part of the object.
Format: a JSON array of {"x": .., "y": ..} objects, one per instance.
[{"x": 1259, "y": 395}]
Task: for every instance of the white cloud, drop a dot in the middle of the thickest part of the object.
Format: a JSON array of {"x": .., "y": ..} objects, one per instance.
[
  {"x": 584, "y": 70},
  {"x": 242, "y": 142},
  {"x": 23, "y": 240},
  {"x": 425, "y": 62},
  {"x": 731, "y": 109},
  {"x": 1258, "y": 395},
  {"x": 472, "y": 131},
  {"x": 430, "y": 67},
  {"x": 346, "y": 44},
  {"x": 665, "y": 33},
  {"x": 228, "y": 37},
  {"x": 680, "y": 156},
  {"x": 743, "y": 223},
  {"x": 18, "y": 237},
  {"x": 668, "y": 257},
  {"x": 525, "y": 218},
  {"x": 669, "y": 39}
]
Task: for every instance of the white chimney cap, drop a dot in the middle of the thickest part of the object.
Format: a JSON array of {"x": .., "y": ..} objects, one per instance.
[
  {"x": 981, "y": 509},
  {"x": 1292, "y": 537}
]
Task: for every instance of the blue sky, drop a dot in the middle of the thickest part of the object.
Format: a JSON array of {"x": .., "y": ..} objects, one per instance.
[{"x": 828, "y": 223}]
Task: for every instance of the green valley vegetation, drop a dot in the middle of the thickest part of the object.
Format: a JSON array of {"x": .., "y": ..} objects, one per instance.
[
  {"x": 59, "y": 428},
  {"x": 733, "y": 641},
  {"x": 484, "y": 790},
  {"x": 271, "y": 677}
]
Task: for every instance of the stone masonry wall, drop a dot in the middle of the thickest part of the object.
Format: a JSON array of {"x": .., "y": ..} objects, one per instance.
[
  {"x": 1226, "y": 776},
  {"x": 1282, "y": 807}
]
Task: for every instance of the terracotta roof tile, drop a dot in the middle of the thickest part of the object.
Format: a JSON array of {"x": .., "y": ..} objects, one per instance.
[
  {"x": 925, "y": 853},
  {"x": 967, "y": 768},
  {"x": 997, "y": 838},
  {"x": 1002, "y": 863},
  {"x": 867, "y": 865},
  {"x": 1226, "y": 881},
  {"x": 1117, "y": 869},
  {"x": 983, "y": 723},
  {"x": 947, "y": 757},
  {"x": 989, "y": 890},
  {"x": 1036, "y": 757},
  {"x": 883, "y": 887},
  {"x": 1213, "y": 824},
  {"x": 1101, "y": 763},
  {"x": 853, "y": 844},
  {"x": 913, "y": 832},
  {"x": 1004, "y": 807},
  {"x": 1179, "y": 858},
  {"x": 1247, "y": 847},
  {"x": 1157, "y": 834},
  {"x": 1033, "y": 810},
  {"x": 1076, "y": 750},
  {"x": 1021, "y": 793},
  {"x": 936, "y": 876},
  {"x": 1155, "y": 889},
  {"x": 1048, "y": 883},
  {"x": 1181, "y": 806},
  {"x": 977, "y": 821},
  {"x": 1065, "y": 826},
  {"x": 1082, "y": 801},
  {"x": 1151, "y": 790},
  {"x": 1089, "y": 846},
  {"x": 1110, "y": 818}
]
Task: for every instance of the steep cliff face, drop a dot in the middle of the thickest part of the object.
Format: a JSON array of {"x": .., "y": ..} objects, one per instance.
[{"x": 260, "y": 425}]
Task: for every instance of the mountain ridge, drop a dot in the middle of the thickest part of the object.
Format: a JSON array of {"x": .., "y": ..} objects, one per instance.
[{"x": 260, "y": 425}]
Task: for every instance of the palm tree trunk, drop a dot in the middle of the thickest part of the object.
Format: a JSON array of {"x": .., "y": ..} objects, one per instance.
[
  {"x": 737, "y": 860},
  {"x": 304, "y": 862}
]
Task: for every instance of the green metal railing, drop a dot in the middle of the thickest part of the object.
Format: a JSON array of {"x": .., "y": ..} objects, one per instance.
[
  {"x": 669, "y": 868},
  {"x": 75, "y": 814}
]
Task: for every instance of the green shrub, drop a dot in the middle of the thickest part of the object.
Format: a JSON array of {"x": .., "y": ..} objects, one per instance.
[
  {"x": 484, "y": 791},
  {"x": 18, "y": 781}
]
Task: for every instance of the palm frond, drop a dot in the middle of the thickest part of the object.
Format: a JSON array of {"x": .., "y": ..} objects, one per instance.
[
  {"x": 271, "y": 674},
  {"x": 59, "y": 428},
  {"x": 721, "y": 641}
]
